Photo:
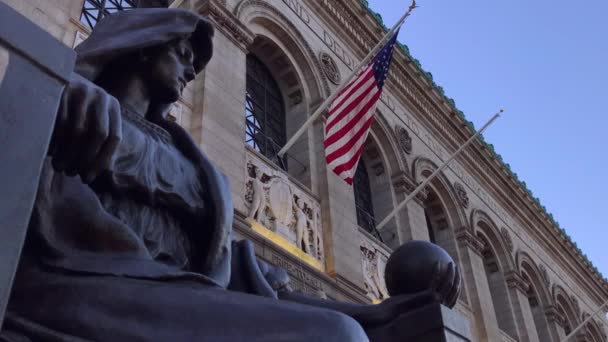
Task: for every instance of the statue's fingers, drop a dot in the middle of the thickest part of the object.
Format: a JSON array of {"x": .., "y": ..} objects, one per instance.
[{"x": 104, "y": 157}]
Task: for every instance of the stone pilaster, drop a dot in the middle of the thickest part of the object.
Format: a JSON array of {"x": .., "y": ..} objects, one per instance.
[
  {"x": 518, "y": 289},
  {"x": 411, "y": 222}
]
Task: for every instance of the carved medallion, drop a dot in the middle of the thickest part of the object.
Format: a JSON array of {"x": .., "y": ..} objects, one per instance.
[
  {"x": 4, "y": 57},
  {"x": 404, "y": 139},
  {"x": 330, "y": 68},
  {"x": 507, "y": 238},
  {"x": 461, "y": 194}
]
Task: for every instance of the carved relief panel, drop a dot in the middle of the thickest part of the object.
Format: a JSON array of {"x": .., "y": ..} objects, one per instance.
[
  {"x": 280, "y": 206},
  {"x": 373, "y": 263}
]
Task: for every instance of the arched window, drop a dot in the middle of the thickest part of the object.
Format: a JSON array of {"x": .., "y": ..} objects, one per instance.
[
  {"x": 264, "y": 112},
  {"x": 94, "y": 10},
  {"x": 363, "y": 200}
]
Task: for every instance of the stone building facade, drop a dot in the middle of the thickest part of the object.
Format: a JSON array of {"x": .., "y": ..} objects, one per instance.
[{"x": 275, "y": 61}]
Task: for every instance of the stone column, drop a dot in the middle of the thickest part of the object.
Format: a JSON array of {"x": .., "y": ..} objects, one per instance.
[
  {"x": 480, "y": 298},
  {"x": 521, "y": 308},
  {"x": 218, "y": 120},
  {"x": 411, "y": 223}
]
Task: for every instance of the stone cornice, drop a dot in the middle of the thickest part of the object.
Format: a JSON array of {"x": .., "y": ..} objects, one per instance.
[
  {"x": 216, "y": 11},
  {"x": 516, "y": 281},
  {"x": 482, "y": 162},
  {"x": 402, "y": 183},
  {"x": 554, "y": 316},
  {"x": 467, "y": 238}
]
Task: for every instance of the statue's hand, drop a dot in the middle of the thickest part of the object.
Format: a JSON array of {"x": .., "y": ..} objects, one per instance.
[{"x": 87, "y": 131}]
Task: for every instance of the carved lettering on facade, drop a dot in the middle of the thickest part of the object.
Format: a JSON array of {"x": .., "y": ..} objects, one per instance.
[{"x": 277, "y": 204}]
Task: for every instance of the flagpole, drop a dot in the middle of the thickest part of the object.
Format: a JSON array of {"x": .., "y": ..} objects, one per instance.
[
  {"x": 331, "y": 98},
  {"x": 584, "y": 322},
  {"x": 435, "y": 173},
  {"x": 176, "y": 3}
]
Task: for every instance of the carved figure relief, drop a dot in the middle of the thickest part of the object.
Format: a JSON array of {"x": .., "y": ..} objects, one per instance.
[
  {"x": 373, "y": 263},
  {"x": 461, "y": 194},
  {"x": 404, "y": 139},
  {"x": 507, "y": 238},
  {"x": 330, "y": 68},
  {"x": 275, "y": 203}
]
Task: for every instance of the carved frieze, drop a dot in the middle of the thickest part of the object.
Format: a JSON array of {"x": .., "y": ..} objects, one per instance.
[
  {"x": 507, "y": 239},
  {"x": 274, "y": 202},
  {"x": 215, "y": 10},
  {"x": 461, "y": 194},
  {"x": 404, "y": 139},
  {"x": 330, "y": 68},
  {"x": 373, "y": 263}
]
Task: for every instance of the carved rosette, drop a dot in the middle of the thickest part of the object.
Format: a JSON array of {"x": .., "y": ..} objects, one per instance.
[
  {"x": 277, "y": 204},
  {"x": 507, "y": 238},
  {"x": 576, "y": 305},
  {"x": 461, "y": 195},
  {"x": 330, "y": 68},
  {"x": 404, "y": 139},
  {"x": 373, "y": 263}
]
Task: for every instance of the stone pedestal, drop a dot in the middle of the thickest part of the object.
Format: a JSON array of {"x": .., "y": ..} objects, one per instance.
[
  {"x": 431, "y": 323},
  {"x": 34, "y": 67}
]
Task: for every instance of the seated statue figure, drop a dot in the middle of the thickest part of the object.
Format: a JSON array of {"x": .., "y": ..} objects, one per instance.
[{"x": 130, "y": 238}]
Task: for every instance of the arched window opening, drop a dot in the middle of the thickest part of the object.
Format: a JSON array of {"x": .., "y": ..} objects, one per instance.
[
  {"x": 566, "y": 310},
  {"x": 363, "y": 200},
  {"x": 436, "y": 219},
  {"x": 498, "y": 289},
  {"x": 265, "y": 129},
  {"x": 536, "y": 307}
]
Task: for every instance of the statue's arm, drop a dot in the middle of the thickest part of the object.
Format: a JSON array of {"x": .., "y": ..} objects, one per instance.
[{"x": 87, "y": 131}]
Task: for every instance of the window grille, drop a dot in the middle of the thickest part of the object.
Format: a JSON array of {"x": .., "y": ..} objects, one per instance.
[
  {"x": 363, "y": 201},
  {"x": 94, "y": 10}
]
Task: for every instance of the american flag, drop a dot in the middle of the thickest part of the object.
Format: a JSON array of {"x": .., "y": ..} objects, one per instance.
[{"x": 352, "y": 112}]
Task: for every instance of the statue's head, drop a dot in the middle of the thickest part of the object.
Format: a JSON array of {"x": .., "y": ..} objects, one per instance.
[{"x": 166, "y": 48}]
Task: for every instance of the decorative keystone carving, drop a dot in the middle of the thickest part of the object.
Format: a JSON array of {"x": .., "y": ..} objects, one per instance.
[
  {"x": 554, "y": 316},
  {"x": 507, "y": 238},
  {"x": 275, "y": 203},
  {"x": 468, "y": 238},
  {"x": 516, "y": 281},
  {"x": 461, "y": 194},
  {"x": 330, "y": 68},
  {"x": 404, "y": 139},
  {"x": 373, "y": 263},
  {"x": 403, "y": 184}
]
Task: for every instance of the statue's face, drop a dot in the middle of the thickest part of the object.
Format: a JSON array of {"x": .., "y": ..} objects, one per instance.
[{"x": 168, "y": 71}]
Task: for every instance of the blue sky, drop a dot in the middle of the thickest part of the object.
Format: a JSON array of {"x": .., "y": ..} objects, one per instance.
[{"x": 545, "y": 63}]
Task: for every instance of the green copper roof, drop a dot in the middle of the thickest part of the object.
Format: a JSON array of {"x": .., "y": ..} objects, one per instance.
[{"x": 490, "y": 147}]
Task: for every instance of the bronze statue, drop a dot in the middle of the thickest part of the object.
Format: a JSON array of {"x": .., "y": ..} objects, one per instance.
[{"x": 130, "y": 238}]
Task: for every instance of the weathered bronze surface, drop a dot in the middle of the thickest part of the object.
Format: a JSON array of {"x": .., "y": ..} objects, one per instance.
[{"x": 130, "y": 235}]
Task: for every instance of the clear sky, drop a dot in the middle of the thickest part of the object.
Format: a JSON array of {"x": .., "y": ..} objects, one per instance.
[{"x": 546, "y": 63}]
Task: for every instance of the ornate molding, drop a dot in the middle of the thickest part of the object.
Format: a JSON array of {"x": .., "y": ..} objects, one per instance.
[
  {"x": 404, "y": 139},
  {"x": 461, "y": 195},
  {"x": 506, "y": 237},
  {"x": 238, "y": 11},
  {"x": 405, "y": 185},
  {"x": 467, "y": 238},
  {"x": 554, "y": 316},
  {"x": 330, "y": 68},
  {"x": 516, "y": 281},
  {"x": 373, "y": 263},
  {"x": 216, "y": 11}
]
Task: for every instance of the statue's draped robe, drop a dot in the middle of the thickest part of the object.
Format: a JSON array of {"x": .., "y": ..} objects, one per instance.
[{"x": 123, "y": 259}]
